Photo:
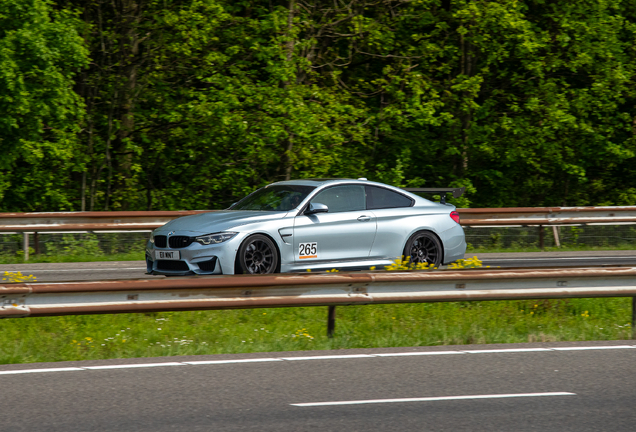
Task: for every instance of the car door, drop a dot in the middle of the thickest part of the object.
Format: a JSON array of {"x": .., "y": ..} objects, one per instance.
[
  {"x": 395, "y": 218},
  {"x": 345, "y": 232}
]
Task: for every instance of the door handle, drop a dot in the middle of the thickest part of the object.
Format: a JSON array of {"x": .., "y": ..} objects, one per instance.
[{"x": 364, "y": 218}]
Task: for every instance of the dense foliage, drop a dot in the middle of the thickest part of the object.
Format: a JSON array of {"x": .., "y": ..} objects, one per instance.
[{"x": 148, "y": 104}]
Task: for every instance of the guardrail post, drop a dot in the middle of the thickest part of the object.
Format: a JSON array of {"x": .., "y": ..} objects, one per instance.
[
  {"x": 541, "y": 237},
  {"x": 331, "y": 321},
  {"x": 25, "y": 245},
  {"x": 633, "y": 317},
  {"x": 555, "y": 231},
  {"x": 36, "y": 245}
]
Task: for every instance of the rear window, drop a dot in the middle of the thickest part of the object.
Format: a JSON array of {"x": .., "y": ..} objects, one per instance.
[{"x": 380, "y": 198}]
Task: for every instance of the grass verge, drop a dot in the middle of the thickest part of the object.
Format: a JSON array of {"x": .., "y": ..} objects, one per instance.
[{"x": 93, "y": 337}]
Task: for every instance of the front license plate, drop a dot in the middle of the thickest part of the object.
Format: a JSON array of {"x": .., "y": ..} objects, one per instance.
[{"x": 165, "y": 255}]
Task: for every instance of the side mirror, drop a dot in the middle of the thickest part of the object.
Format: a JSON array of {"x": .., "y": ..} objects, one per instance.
[{"x": 316, "y": 208}]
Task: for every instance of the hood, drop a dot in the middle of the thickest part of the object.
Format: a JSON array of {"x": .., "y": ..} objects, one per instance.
[{"x": 208, "y": 223}]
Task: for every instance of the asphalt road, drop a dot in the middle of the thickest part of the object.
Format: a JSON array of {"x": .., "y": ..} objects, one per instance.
[
  {"x": 558, "y": 259},
  {"x": 105, "y": 270},
  {"x": 53, "y": 272},
  {"x": 560, "y": 387}
]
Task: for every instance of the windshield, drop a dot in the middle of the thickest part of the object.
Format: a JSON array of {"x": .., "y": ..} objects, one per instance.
[{"x": 274, "y": 198}]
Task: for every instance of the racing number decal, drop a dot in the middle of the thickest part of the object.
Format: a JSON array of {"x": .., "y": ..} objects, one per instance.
[{"x": 308, "y": 250}]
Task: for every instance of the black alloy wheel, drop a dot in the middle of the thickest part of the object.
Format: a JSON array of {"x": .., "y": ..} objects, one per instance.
[
  {"x": 423, "y": 247},
  {"x": 258, "y": 255}
]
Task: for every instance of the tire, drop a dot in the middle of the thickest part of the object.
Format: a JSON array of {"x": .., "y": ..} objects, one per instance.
[
  {"x": 257, "y": 255},
  {"x": 424, "y": 246}
]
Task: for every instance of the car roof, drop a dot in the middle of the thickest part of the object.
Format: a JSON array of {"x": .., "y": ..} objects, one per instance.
[
  {"x": 318, "y": 182},
  {"x": 321, "y": 181},
  {"x": 309, "y": 182}
]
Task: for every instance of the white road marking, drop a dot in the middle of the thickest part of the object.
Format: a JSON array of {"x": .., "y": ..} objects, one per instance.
[
  {"x": 130, "y": 366},
  {"x": 22, "y": 371},
  {"x": 510, "y": 350},
  {"x": 432, "y": 399},
  {"x": 327, "y": 357},
  {"x": 593, "y": 348},
  {"x": 330, "y": 357},
  {"x": 419, "y": 353},
  {"x": 209, "y": 362}
]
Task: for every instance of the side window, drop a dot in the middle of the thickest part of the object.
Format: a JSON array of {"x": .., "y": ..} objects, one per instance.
[
  {"x": 342, "y": 198},
  {"x": 380, "y": 198}
]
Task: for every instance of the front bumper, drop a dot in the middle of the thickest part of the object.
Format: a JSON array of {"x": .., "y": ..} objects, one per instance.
[
  {"x": 181, "y": 268},
  {"x": 196, "y": 259}
]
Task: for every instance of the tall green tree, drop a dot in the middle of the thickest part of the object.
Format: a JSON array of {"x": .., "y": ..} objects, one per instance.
[
  {"x": 40, "y": 53},
  {"x": 194, "y": 103}
]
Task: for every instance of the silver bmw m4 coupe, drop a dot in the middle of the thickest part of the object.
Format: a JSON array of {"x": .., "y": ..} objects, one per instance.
[{"x": 316, "y": 224}]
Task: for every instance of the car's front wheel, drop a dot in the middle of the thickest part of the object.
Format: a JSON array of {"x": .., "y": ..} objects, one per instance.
[
  {"x": 423, "y": 247},
  {"x": 257, "y": 255}
]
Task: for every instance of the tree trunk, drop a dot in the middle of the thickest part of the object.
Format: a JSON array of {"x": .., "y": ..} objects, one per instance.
[{"x": 289, "y": 144}]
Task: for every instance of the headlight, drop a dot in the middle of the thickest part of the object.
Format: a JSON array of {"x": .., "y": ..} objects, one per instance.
[
  {"x": 152, "y": 237},
  {"x": 215, "y": 238}
]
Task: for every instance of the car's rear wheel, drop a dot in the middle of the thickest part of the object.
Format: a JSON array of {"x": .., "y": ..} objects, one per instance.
[
  {"x": 422, "y": 247},
  {"x": 257, "y": 255}
]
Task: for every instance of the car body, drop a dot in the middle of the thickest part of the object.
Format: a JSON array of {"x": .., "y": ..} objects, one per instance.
[{"x": 315, "y": 224}]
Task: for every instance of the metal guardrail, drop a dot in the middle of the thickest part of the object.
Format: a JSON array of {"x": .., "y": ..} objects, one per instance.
[
  {"x": 149, "y": 220},
  {"x": 547, "y": 216},
  {"x": 89, "y": 221},
  {"x": 550, "y": 216},
  {"x": 291, "y": 290}
]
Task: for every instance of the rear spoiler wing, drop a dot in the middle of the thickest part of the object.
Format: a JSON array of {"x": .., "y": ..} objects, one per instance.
[{"x": 457, "y": 192}]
